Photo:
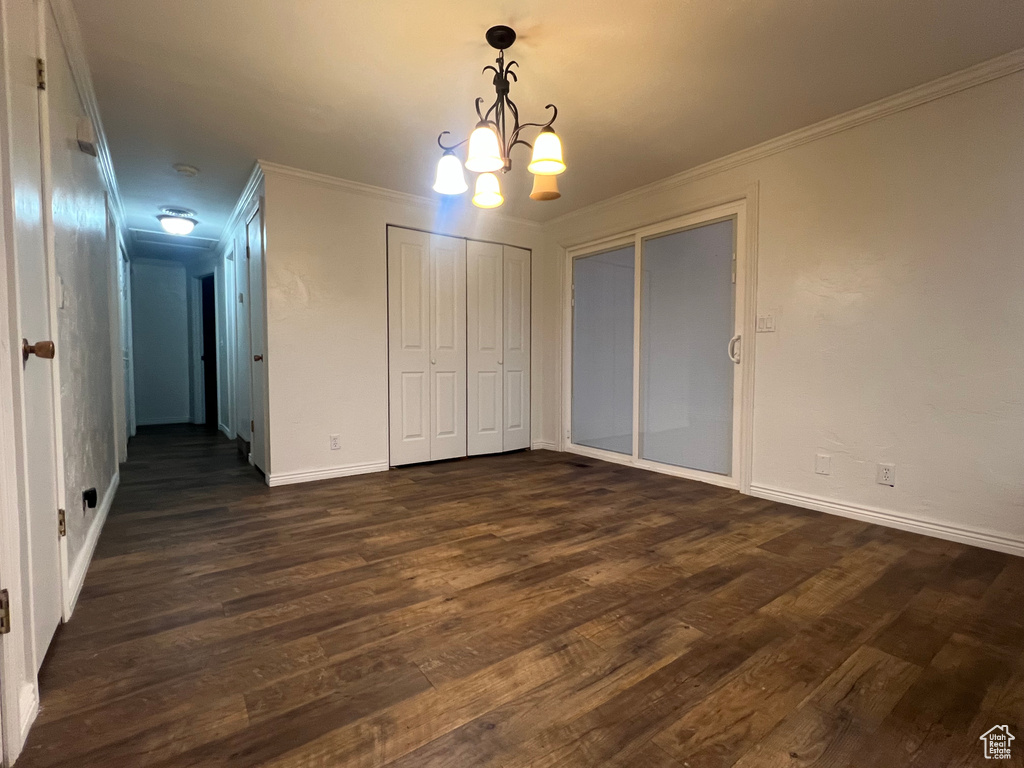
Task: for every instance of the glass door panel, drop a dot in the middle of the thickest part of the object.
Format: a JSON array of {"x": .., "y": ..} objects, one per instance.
[
  {"x": 602, "y": 350},
  {"x": 687, "y": 319}
]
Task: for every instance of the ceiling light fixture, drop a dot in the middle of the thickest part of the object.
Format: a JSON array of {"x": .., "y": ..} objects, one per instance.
[
  {"x": 492, "y": 140},
  {"x": 177, "y": 221}
]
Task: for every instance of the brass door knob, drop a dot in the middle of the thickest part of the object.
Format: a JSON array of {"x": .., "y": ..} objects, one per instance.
[
  {"x": 39, "y": 349},
  {"x": 257, "y": 358}
]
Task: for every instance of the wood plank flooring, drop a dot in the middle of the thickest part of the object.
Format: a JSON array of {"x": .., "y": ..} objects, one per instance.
[{"x": 534, "y": 609}]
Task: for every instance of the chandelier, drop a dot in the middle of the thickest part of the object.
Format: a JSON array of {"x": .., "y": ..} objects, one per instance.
[{"x": 493, "y": 139}]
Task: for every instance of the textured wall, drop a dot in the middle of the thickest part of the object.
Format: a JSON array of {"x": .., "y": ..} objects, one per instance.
[{"x": 85, "y": 259}]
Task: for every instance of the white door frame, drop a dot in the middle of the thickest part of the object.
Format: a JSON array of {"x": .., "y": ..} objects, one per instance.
[
  {"x": 256, "y": 212},
  {"x": 743, "y": 208}
]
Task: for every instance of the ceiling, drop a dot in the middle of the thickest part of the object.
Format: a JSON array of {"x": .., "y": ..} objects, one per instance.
[{"x": 644, "y": 89}]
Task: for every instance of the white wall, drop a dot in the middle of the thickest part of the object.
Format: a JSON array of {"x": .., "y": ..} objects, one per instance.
[
  {"x": 160, "y": 342},
  {"x": 327, "y": 312},
  {"x": 891, "y": 254}
]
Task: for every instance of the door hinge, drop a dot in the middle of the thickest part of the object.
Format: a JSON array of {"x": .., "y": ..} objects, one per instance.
[
  {"x": 734, "y": 268},
  {"x": 5, "y": 612},
  {"x": 252, "y": 426},
  {"x": 40, "y": 74},
  {"x": 247, "y": 250},
  {"x": 572, "y": 297},
  {"x": 62, "y": 525}
]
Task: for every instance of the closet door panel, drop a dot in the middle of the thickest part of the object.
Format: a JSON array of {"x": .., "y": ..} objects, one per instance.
[
  {"x": 409, "y": 345},
  {"x": 484, "y": 340},
  {"x": 515, "y": 360},
  {"x": 447, "y": 347}
]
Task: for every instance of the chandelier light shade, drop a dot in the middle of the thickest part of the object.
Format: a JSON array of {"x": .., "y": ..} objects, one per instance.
[
  {"x": 484, "y": 150},
  {"x": 495, "y": 135},
  {"x": 450, "y": 179},
  {"x": 545, "y": 187},
  {"x": 487, "y": 193},
  {"x": 547, "y": 154}
]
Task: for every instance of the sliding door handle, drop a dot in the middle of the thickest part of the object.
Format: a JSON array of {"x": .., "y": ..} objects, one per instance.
[{"x": 734, "y": 350}]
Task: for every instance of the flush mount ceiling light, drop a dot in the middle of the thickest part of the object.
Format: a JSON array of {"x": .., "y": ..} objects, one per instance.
[
  {"x": 177, "y": 221},
  {"x": 492, "y": 140}
]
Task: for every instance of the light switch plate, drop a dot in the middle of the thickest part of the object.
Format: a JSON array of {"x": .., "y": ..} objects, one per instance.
[
  {"x": 766, "y": 323},
  {"x": 823, "y": 464}
]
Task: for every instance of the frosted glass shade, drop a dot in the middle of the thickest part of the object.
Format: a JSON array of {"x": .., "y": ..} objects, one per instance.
[
  {"x": 547, "y": 154},
  {"x": 177, "y": 225},
  {"x": 484, "y": 150},
  {"x": 545, "y": 188},
  {"x": 450, "y": 178},
  {"x": 488, "y": 193}
]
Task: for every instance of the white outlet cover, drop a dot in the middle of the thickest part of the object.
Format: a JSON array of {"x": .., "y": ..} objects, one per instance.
[
  {"x": 335, "y": 442},
  {"x": 885, "y": 474}
]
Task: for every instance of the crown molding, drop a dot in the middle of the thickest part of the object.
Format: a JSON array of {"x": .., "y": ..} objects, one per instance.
[
  {"x": 993, "y": 69},
  {"x": 74, "y": 48},
  {"x": 368, "y": 190},
  {"x": 252, "y": 188}
]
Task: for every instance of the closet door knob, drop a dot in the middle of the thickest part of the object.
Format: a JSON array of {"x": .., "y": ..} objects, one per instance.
[
  {"x": 257, "y": 358},
  {"x": 44, "y": 349},
  {"x": 433, "y": 361}
]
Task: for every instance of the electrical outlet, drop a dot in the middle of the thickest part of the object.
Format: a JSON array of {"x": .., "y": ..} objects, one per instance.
[
  {"x": 886, "y": 475},
  {"x": 823, "y": 464},
  {"x": 335, "y": 442}
]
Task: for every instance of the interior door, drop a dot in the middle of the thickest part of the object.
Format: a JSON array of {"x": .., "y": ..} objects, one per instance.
[
  {"x": 515, "y": 360},
  {"x": 484, "y": 347},
  {"x": 257, "y": 341},
  {"x": 37, "y": 406},
  {"x": 447, "y": 347},
  {"x": 409, "y": 345}
]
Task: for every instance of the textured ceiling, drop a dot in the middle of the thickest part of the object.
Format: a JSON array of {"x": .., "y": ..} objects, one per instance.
[{"x": 360, "y": 90}]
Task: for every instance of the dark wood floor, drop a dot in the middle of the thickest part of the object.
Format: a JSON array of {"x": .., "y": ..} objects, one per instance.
[{"x": 534, "y": 609}]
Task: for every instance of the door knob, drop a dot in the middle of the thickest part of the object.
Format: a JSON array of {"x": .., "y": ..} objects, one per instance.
[
  {"x": 433, "y": 361},
  {"x": 39, "y": 349},
  {"x": 257, "y": 358}
]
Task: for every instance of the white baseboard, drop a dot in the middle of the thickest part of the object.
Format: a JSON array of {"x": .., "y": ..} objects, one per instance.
[
  {"x": 962, "y": 534},
  {"x": 76, "y": 578},
  {"x": 543, "y": 445},
  {"x": 310, "y": 475},
  {"x": 28, "y": 704},
  {"x": 161, "y": 421}
]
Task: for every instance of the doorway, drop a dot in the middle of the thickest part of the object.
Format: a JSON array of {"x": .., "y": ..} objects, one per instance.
[
  {"x": 657, "y": 372},
  {"x": 209, "y": 355}
]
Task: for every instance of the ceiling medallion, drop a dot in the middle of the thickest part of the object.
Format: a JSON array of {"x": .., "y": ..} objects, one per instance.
[{"x": 492, "y": 141}]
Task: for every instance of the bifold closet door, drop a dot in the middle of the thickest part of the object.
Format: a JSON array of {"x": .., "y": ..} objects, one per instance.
[
  {"x": 447, "y": 347},
  {"x": 484, "y": 347},
  {"x": 515, "y": 359},
  {"x": 426, "y": 346}
]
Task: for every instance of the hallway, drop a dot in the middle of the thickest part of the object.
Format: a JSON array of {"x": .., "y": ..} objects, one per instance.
[{"x": 528, "y": 609}]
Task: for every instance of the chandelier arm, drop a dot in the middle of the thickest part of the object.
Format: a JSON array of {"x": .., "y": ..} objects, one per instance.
[{"x": 453, "y": 146}]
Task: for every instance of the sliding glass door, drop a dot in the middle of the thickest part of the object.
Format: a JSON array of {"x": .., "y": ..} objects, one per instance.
[
  {"x": 656, "y": 355},
  {"x": 686, "y": 376},
  {"x": 602, "y": 363}
]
